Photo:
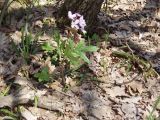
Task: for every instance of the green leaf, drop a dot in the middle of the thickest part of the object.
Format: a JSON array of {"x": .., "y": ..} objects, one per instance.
[
  {"x": 6, "y": 91},
  {"x": 62, "y": 45},
  {"x": 151, "y": 115},
  {"x": 36, "y": 101},
  {"x": 74, "y": 61},
  {"x": 54, "y": 58},
  {"x": 47, "y": 47},
  {"x": 43, "y": 76},
  {"x": 95, "y": 37},
  {"x": 157, "y": 102},
  {"x": 57, "y": 37},
  {"x": 71, "y": 56},
  {"x": 74, "y": 54},
  {"x": 71, "y": 43},
  {"x": 84, "y": 57},
  {"x": 90, "y": 49},
  {"x": 80, "y": 45},
  {"x": 9, "y": 113}
]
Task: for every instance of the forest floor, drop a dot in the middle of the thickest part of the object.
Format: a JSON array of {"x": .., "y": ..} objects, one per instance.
[{"x": 121, "y": 83}]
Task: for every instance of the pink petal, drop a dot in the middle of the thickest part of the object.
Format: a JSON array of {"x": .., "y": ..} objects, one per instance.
[
  {"x": 73, "y": 25},
  {"x": 71, "y": 16},
  {"x": 76, "y": 21}
]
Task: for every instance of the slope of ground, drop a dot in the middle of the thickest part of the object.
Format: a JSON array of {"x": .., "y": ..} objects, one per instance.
[{"x": 116, "y": 86}]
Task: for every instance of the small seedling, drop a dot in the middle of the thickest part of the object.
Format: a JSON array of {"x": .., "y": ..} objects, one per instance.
[
  {"x": 25, "y": 48},
  {"x": 106, "y": 37},
  {"x": 26, "y": 45},
  {"x": 6, "y": 91},
  {"x": 36, "y": 101},
  {"x": 43, "y": 76},
  {"x": 151, "y": 116},
  {"x": 60, "y": 43},
  {"x": 9, "y": 114},
  {"x": 95, "y": 37}
]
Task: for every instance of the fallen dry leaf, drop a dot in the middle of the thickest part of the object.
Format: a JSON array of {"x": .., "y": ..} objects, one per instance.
[
  {"x": 116, "y": 91},
  {"x": 129, "y": 110},
  {"x": 135, "y": 86},
  {"x": 132, "y": 99}
]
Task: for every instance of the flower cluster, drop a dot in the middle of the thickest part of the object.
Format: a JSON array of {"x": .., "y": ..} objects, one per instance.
[{"x": 78, "y": 21}]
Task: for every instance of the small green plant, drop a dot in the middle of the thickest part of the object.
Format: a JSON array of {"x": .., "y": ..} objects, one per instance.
[
  {"x": 69, "y": 54},
  {"x": 27, "y": 45},
  {"x": 156, "y": 104},
  {"x": 11, "y": 115},
  {"x": 106, "y": 37},
  {"x": 43, "y": 76},
  {"x": 36, "y": 101},
  {"x": 60, "y": 44},
  {"x": 95, "y": 37},
  {"x": 73, "y": 52},
  {"x": 6, "y": 91}
]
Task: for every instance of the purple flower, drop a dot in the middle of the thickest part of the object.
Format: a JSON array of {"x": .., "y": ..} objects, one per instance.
[{"x": 77, "y": 22}]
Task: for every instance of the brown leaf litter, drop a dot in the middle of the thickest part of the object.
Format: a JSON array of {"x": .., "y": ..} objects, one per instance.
[{"x": 128, "y": 22}]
